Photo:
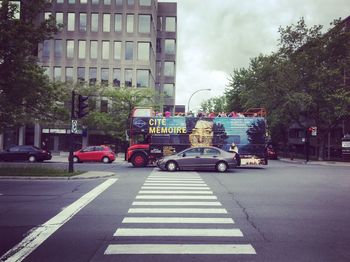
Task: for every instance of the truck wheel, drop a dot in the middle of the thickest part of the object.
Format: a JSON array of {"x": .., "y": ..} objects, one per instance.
[
  {"x": 139, "y": 160},
  {"x": 171, "y": 166}
]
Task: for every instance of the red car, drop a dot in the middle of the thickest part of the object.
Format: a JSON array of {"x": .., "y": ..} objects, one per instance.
[
  {"x": 271, "y": 153},
  {"x": 94, "y": 153}
]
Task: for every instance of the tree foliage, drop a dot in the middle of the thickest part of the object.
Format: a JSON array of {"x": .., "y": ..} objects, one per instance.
[
  {"x": 304, "y": 82},
  {"x": 215, "y": 104},
  {"x": 25, "y": 92}
]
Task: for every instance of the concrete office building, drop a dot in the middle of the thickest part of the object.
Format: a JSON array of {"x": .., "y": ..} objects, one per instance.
[{"x": 128, "y": 43}]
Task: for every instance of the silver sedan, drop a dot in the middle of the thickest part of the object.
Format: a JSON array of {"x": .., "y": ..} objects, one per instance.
[{"x": 206, "y": 158}]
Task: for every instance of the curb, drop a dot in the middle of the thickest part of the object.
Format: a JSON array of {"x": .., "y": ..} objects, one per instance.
[
  {"x": 86, "y": 175},
  {"x": 320, "y": 163}
]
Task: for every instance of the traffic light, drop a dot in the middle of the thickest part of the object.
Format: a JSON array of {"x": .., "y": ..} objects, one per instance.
[{"x": 83, "y": 105}]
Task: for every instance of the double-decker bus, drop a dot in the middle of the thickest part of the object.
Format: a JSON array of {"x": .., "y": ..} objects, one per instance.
[{"x": 152, "y": 137}]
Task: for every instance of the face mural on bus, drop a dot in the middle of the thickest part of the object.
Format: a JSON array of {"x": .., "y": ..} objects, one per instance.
[{"x": 202, "y": 134}]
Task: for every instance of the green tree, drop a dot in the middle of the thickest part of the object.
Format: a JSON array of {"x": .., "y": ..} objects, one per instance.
[
  {"x": 215, "y": 104},
  {"x": 25, "y": 92}
]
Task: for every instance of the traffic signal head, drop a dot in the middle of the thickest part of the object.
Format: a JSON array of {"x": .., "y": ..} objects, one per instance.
[{"x": 83, "y": 105}]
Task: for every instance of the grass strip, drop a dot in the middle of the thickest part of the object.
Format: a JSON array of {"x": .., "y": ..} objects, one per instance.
[{"x": 35, "y": 171}]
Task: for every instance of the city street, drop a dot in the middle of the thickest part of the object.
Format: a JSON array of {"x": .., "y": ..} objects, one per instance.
[{"x": 279, "y": 212}]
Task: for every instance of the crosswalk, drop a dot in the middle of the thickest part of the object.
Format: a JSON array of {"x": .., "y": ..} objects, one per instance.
[{"x": 177, "y": 213}]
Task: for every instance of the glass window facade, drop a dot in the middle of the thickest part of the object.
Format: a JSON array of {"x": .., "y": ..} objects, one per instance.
[
  {"x": 169, "y": 46},
  {"x": 82, "y": 49},
  {"x": 71, "y": 22},
  {"x": 81, "y": 74},
  {"x": 117, "y": 22},
  {"x": 129, "y": 50},
  {"x": 47, "y": 15},
  {"x": 128, "y": 77},
  {"x": 46, "y": 48},
  {"x": 93, "y": 49},
  {"x": 131, "y": 2},
  {"x": 107, "y": 2},
  {"x": 119, "y": 2},
  {"x": 170, "y": 24},
  {"x": 83, "y": 1},
  {"x": 116, "y": 77},
  {"x": 94, "y": 22},
  {"x": 142, "y": 78},
  {"x": 59, "y": 18},
  {"x": 104, "y": 76},
  {"x": 169, "y": 69},
  {"x": 117, "y": 50},
  {"x": 169, "y": 90},
  {"x": 95, "y": 2},
  {"x": 82, "y": 22},
  {"x": 143, "y": 51},
  {"x": 57, "y": 73},
  {"x": 130, "y": 23},
  {"x": 145, "y": 2},
  {"x": 70, "y": 48},
  {"x": 69, "y": 74},
  {"x": 92, "y": 75},
  {"x": 144, "y": 23},
  {"x": 105, "y": 50},
  {"x": 58, "y": 48},
  {"x": 106, "y": 22}
]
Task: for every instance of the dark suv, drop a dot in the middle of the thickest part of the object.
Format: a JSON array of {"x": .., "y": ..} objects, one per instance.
[{"x": 25, "y": 153}]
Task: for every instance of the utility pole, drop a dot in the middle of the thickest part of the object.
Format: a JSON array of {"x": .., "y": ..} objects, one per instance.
[{"x": 71, "y": 135}]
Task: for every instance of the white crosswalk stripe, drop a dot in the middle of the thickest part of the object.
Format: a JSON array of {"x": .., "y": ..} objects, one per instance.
[{"x": 166, "y": 207}]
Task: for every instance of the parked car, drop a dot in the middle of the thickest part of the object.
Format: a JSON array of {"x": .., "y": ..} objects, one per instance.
[
  {"x": 25, "y": 153},
  {"x": 94, "y": 153},
  {"x": 271, "y": 153},
  {"x": 207, "y": 158}
]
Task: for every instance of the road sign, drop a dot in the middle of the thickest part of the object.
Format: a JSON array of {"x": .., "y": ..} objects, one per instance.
[{"x": 74, "y": 127}]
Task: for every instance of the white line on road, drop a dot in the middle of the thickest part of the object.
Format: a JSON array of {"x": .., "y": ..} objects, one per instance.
[
  {"x": 179, "y": 210},
  {"x": 174, "y": 197},
  {"x": 176, "y": 184},
  {"x": 174, "y": 203},
  {"x": 174, "y": 187},
  {"x": 173, "y": 179},
  {"x": 178, "y": 232},
  {"x": 179, "y": 220},
  {"x": 175, "y": 192},
  {"x": 42, "y": 232},
  {"x": 203, "y": 249}
]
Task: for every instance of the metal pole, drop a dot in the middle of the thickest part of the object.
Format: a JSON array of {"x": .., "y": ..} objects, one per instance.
[
  {"x": 71, "y": 138},
  {"x": 189, "y": 100}
]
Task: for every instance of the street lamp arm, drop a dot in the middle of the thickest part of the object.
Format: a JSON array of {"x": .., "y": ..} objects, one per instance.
[{"x": 189, "y": 100}]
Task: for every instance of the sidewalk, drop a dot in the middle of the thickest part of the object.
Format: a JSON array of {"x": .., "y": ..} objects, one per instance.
[{"x": 313, "y": 162}]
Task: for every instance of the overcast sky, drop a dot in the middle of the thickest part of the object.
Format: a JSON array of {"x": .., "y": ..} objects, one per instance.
[{"x": 214, "y": 37}]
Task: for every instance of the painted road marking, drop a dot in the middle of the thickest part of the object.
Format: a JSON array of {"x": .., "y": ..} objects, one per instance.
[
  {"x": 174, "y": 203},
  {"x": 178, "y": 232},
  {"x": 175, "y": 184},
  {"x": 174, "y": 197},
  {"x": 172, "y": 249},
  {"x": 174, "y": 187},
  {"x": 179, "y": 210},
  {"x": 174, "y": 192},
  {"x": 42, "y": 232},
  {"x": 179, "y": 220}
]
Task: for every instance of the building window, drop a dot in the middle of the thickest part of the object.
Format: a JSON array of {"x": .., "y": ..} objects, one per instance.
[
  {"x": 94, "y": 22},
  {"x": 169, "y": 69},
  {"x": 168, "y": 90},
  {"x": 82, "y": 22},
  {"x": 93, "y": 49},
  {"x": 69, "y": 74},
  {"x": 117, "y": 50},
  {"x": 59, "y": 18},
  {"x": 46, "y": 71},
  {"x": 106, "y": 22},
  {"x": 170, "y": 24},
  {"x": 71, "y": 1},
  {"x": 169, "y": 46},
  {"x": 145, "y": 2},
  {"x": 95, "y": 2},
  {"x": 92, "y": 75},
  {"x": 58, "y": 48},
  {"x": 128, "y": 77},
  {"x": 81, "y": 74},
  {"x": 70, "y": 48},
  {"x": 119, "y": 2},
  {"x": 59, "y": 1},
  {"x": 129, "y": 51},
  {"x": 130, "y": 23},
  {"x": 47, "y": 15},
  {"x": 57, "y": 72},
  {"x": 116, "y": 77},
  {"x": 117, "y": 22},
  {"x": 144, "y": 23},
  {"x": 107, "y": 2},
  {"x": 159, "y": 23},
  {"x": 71, "y": 22},
  {"x": 131, "y": 2},
  {"x": 46, "y": 48},
  {"x": 104, "y": 106},
  {"x": 104, "y": 76},
  {"x": 143, "y": 51},
  {"x": 142, "y": 78},
  {"x": 83, "y": 1},
  {"x": 82, "y": 49},
  {"x": 105, "y": 50}
]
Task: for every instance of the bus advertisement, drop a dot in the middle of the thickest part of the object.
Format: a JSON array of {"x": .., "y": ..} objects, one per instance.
[{"x": 153, "y": 137}]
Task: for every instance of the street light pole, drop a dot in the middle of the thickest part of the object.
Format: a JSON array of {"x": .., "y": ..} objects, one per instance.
[{"x": 189, "y": 100}]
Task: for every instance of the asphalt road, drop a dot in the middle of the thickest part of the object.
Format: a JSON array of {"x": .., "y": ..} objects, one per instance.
[{"x": 283, "y": 212}]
